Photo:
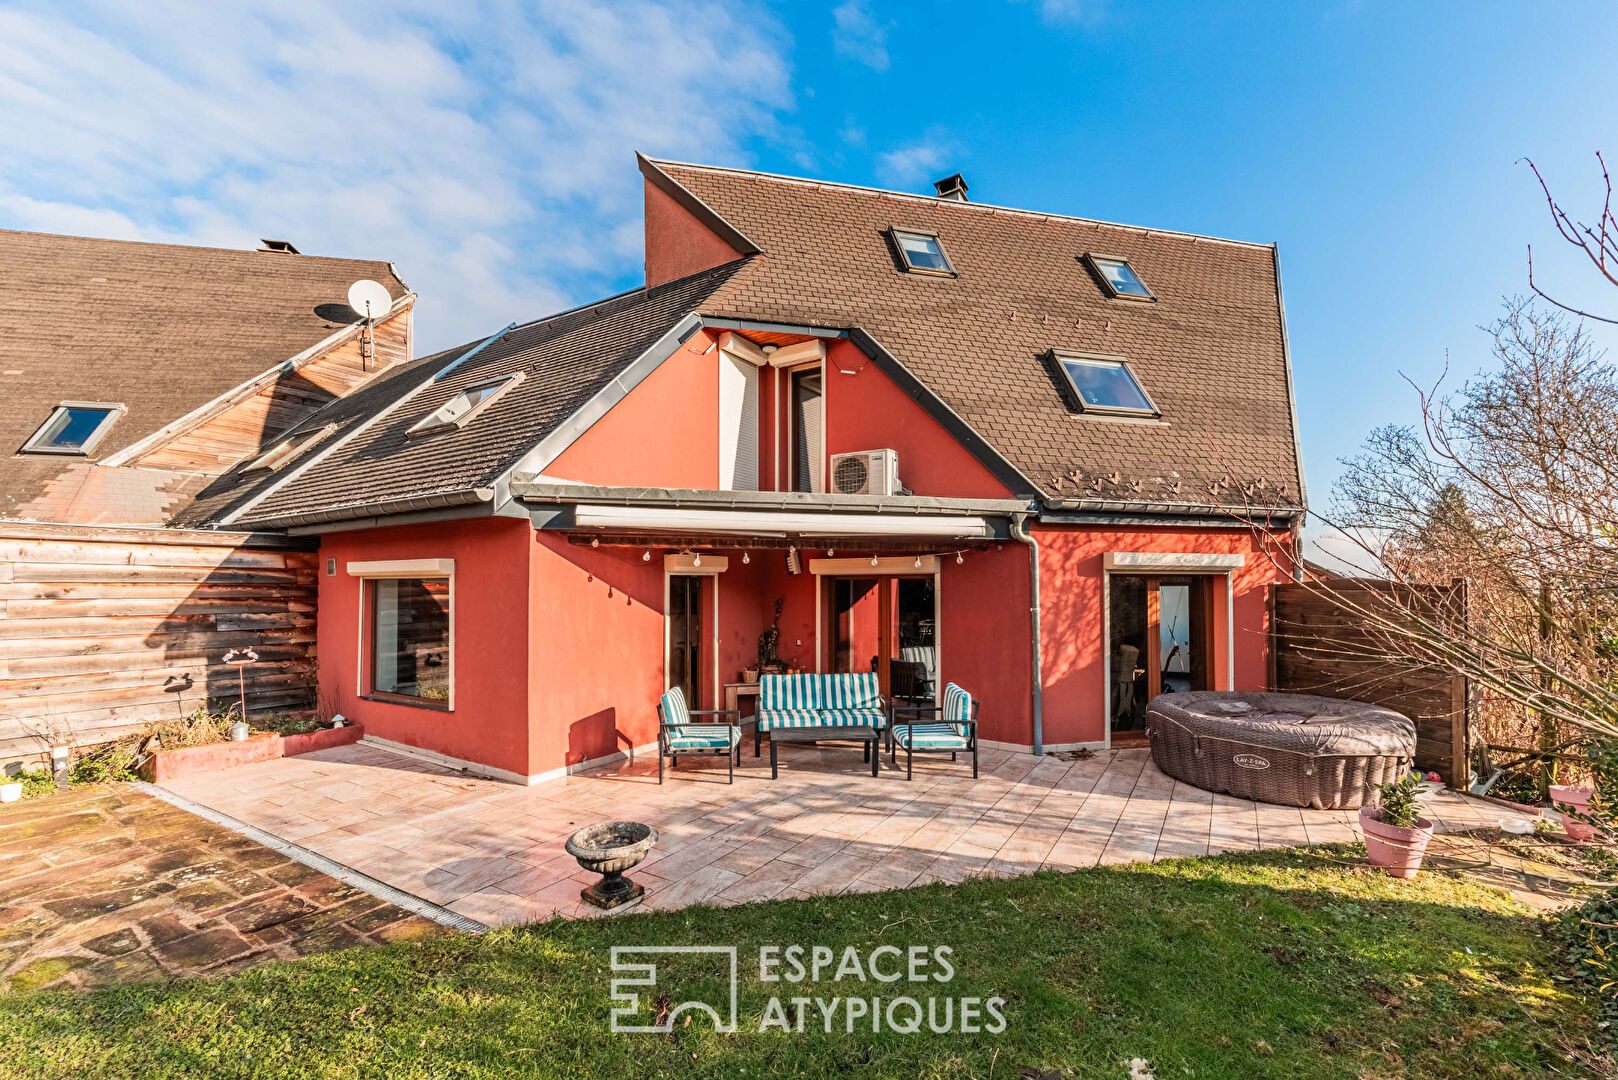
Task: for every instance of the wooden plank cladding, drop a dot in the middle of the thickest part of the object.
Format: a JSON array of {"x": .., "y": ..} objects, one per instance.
[
  {"x": 105, "y": 629},
  {"x": 1317, "y": 647},
  {"x": 244, "y": 427}
]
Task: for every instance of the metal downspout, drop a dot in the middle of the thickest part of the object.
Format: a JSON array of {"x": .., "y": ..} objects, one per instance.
[{"x": 1019, "y": 531}]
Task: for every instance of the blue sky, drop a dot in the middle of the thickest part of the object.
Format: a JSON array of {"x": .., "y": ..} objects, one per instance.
[{"x": 487, "y": 149}]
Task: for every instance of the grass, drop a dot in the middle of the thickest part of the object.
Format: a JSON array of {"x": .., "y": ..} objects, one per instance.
[{"x": 1279, "y": 964}]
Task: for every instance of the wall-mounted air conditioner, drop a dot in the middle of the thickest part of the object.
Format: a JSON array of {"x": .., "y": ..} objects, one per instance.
[{"x": 866, "y": 472}]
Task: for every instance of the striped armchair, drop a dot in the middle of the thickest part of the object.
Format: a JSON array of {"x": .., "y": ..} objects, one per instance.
[
  {"x": 800, "y": 701},
  {"x": 678, "y": 734},
  {"x": 954, "y": 731}
]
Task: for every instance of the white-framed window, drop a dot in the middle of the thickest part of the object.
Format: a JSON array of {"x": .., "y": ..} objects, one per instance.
[
  {"x": 922, "y": 252},
  {"x": 1104, "y": 384},
  {"x": 73, "y": 427},
  {"x": 459, "y": 410},
  {"x": 1118, "y": 277},
  {"x": 288, "y": 449}
]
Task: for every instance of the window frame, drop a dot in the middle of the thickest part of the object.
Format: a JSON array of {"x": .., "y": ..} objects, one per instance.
[
  {"x": 502, "y": 384},
  {"x": 1094, "y": 259},
  {"x": 113, "y": 411},
  {"x": 369, "y": 574},
  {"x": 287, "y": 450},
  {"x": 1060, "y": 356},
  {"x": 896, "y": 231}
]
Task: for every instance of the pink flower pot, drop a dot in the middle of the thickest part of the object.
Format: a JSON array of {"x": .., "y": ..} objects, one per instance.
[
  {"x": 1577, "y": 798},
  {"x": 1398, "y": 851}
]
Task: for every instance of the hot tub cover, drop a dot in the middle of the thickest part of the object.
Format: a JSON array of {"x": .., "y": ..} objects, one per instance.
[
  {"x": 1301, "y": 723},
  {"x": 1295, "y": 749}
]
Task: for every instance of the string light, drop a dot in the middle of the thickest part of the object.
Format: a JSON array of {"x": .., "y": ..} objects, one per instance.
[
  {"x": 696, "y": 560},
  {"x": 918, "y": 562},
  {"x": 830, "y": 552},
  {"x": 958, "y": 559},
  {"x": 595, "y": 541},
  {"x": 745, "y": 559},
  {"x": 873, "y": 560},
  {"x": 646, "y": 556}
]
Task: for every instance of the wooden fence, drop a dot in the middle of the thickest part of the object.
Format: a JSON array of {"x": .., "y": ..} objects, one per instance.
[
  {"x": 104, "y": 629},
  {"x": 1319, "y": 648}
]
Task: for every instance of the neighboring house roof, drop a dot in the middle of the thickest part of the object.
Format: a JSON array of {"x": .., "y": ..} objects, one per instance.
[
  {"x": 1211, "y": 351},
  {"x": 566, "y": 361},
  {"x": 160, "y": 329}
]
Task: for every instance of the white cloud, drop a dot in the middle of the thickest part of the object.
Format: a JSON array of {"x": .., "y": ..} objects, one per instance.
[
  {"x": 859, "y": 36},
  {"x": 906, "y": 166},
  {"x": 487, "y": 150},
  {"x": 1086, "y": 12}
]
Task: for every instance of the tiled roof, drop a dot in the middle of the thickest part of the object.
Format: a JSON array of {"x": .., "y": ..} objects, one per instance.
[
  {"x": 566, "y": 360},
  {"x": 158, "y": 328},
  {"x": 1210, "y": 350}
]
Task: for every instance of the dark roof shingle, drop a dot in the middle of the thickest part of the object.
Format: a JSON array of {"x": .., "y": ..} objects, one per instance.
[
  {"x": 566, "y": 360},
  {"x": 1210, "y": 351}
]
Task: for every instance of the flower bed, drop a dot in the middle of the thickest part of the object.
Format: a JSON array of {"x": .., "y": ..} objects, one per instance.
[{"x": 259, "y": 746}]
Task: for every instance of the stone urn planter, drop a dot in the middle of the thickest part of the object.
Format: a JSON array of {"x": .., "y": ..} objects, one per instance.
[
  {"x": 610, "y": 849},
  {"x": 1566, "y": 798},
  {"x": 1397, "y": 851}
]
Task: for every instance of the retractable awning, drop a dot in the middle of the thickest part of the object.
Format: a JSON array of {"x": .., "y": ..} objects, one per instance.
[{"x": 780, "y": 522}]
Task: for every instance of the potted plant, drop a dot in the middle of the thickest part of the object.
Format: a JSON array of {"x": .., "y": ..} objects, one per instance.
[
  {"x": 1576, "y": 800},
  {"x": 1396, "y": 834}
]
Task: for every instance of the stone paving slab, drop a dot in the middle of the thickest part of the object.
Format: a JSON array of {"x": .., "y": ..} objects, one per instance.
[
  {"x": 493, "y": 851},
  {"x": 105, "y": 885}
]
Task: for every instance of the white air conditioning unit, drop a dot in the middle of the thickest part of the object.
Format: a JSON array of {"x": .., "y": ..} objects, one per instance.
[{"x": 866, "y": 472}]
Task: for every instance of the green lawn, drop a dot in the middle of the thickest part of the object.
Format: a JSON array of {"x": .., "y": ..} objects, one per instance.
[{"x": 1289, "y": 964}]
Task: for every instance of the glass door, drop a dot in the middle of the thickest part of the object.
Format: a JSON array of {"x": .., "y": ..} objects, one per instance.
[
  {"x": 1159, "y": 642},
  {"x": 685, "y": 636}
]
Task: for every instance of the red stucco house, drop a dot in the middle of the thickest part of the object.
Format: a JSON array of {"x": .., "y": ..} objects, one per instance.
[{"x": 877, "y": 422}]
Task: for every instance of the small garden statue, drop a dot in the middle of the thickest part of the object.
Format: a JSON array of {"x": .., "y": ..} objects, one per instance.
[{"x": 769, "y": 641}]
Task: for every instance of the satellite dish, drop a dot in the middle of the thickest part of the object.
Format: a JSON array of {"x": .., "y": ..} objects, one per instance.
[{"x": 370, "y": 299}]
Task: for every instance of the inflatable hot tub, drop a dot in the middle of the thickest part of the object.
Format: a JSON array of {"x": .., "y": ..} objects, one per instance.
[{"x": 1293, "y": 749}]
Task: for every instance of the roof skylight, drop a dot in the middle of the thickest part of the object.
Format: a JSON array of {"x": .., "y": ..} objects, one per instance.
[
  {"x": 1104, "y": 384},
  {"x": 922, "y": 252},
  {"x": 1119, "y": 277},
  {"x": 73, "y": 427},
  {"x": 282, "y": 453},
  {"x": 460, "y": 409}
]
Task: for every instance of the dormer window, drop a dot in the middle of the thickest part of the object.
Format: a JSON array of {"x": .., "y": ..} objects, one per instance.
[
  {"x": 922, "y": 252},
  {"x": 1118, "y": 277},
  {"x": 460, "y": 409},
  {"x": 287, "y": 450},
  {"x": 1104, "y": 385},
  {"x": 73, "y": 427}
]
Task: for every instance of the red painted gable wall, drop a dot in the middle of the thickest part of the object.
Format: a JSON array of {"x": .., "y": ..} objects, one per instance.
[
  {"x": 865, "y": 410},
  {"x": 677, "y": 244},
  {"x": 664, "y": 433}
]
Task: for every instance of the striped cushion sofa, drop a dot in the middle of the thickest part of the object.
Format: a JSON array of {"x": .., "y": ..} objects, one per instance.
[{"x": 801, "y": 701}]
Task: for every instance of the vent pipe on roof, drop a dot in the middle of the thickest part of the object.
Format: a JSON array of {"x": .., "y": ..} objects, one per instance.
[
  {"x": 952, "y": 187},
  {"x": 282, "y": 247}
]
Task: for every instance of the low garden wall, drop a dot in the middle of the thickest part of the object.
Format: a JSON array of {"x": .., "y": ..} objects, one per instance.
[{"x": 260, "y": 746}]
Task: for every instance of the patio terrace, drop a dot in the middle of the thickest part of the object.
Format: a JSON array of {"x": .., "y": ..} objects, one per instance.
[{"x": 493, "y": 852}]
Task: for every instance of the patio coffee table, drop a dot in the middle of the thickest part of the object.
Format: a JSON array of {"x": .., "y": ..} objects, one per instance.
[{"x": 865, "y": 734}]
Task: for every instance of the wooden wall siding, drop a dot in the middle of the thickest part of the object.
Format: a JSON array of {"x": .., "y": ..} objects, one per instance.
[
  {"x": 1313, "y": 651},
  {"x": 217, "y": 443},
  {"x": 103, "y": 630}
]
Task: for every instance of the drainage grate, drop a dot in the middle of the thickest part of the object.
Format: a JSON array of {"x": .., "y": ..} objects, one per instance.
[{"x": 316, "y": 861}]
